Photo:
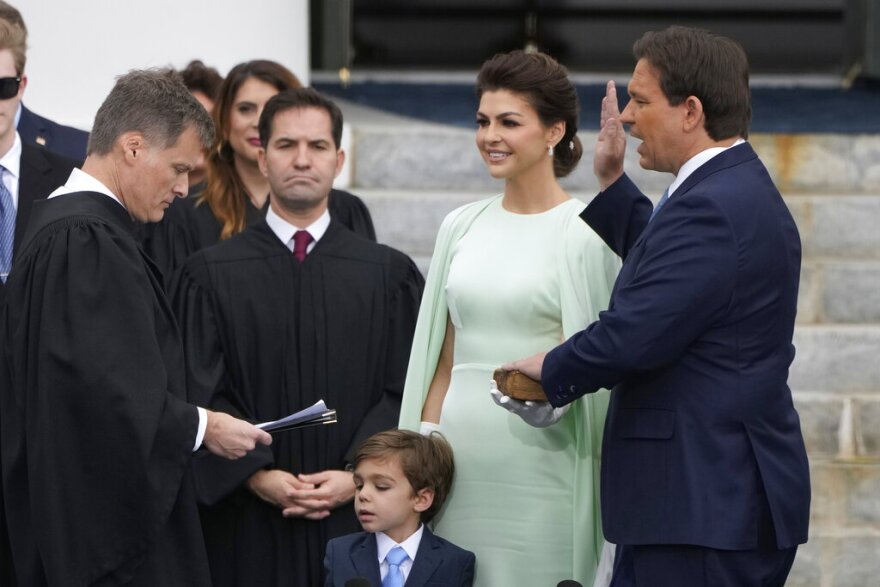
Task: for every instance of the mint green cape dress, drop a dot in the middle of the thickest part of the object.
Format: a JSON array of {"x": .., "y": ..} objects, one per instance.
[{"x": 524, "y": 500}]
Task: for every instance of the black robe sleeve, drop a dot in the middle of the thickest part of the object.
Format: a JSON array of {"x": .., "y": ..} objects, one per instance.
[
  {"x": 405, "y": 293},
  {"x": 350, "y": 211},
  {"x": 95, "y": 443},
  {"x": 208, "y": 381}
]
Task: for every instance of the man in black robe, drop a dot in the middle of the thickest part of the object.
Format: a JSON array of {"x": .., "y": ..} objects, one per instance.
[
  {"x": 96, "y": 433},
  {"x": 267, "y": 333}
]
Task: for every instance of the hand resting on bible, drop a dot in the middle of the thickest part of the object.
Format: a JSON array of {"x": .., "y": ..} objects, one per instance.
[{"x": 537, "y": 414}]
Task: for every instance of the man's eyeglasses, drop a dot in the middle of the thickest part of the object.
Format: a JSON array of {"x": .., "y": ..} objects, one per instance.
[{"x": 9, "y": 87}]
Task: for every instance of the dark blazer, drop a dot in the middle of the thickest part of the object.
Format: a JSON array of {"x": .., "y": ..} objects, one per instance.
[
  {"x": 63, "y": 140},
  {"x": 438, "y": 562},
  {"x": 40, "y": 173},
  {"x": 696, "y": 345}
]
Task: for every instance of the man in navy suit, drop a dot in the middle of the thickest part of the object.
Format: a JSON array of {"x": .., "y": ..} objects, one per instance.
[
  {"x": 27, "y": 173},
  {"x": 705, "y": 479}
]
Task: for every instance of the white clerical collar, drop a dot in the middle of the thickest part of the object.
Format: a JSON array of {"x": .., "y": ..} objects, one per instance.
[
  {"x": 285, "y": 230},
  {"x": 80, "y": 181},
  {"x": 410, "y": 545},
  {"x": 696, "y": 162}
]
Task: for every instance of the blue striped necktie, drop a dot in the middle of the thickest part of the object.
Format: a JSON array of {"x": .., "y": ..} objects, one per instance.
[
  {"x": 7, "y": 227},
  {"x": 659, "y": 204}
]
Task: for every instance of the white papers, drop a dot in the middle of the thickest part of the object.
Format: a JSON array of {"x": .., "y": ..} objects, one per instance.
[{"x": 311, "y": 416}]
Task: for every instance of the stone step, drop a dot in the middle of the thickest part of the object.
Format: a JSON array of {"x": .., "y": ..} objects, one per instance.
[
  {"x": 836, "y": 359},
  {"x": 840, "y": 426},
  {"x": 839, "y": 291},
  {"x": 422, "y": 156},
  {"x": 832, "y": 226},
  {"x": 840, "y": 278},
  {"x": 844, "y": 527}
]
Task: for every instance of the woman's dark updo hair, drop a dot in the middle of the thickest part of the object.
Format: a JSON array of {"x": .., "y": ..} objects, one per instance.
[{"x": 544, "y": 83}]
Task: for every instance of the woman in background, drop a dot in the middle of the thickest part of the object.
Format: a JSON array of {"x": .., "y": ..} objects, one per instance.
[
  {"x": 512, "y": 276},
  {"x": 236, "y": 193}
]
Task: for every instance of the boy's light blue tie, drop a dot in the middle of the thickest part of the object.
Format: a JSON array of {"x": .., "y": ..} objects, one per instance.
[
  {"x": 395, "y": 557},
  {"x": 659, "y": 204},
  {"x": 7, "y": 227}
]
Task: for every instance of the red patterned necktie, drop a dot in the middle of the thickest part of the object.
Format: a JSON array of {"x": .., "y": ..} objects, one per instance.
[{"x": 301, "y": 240}]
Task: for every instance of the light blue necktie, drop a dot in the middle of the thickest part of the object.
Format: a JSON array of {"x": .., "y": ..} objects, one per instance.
[
  {"x": 7, "y": 227},
  {"x": 394, "y": 558},
  {"x": 659, "y": 204}
]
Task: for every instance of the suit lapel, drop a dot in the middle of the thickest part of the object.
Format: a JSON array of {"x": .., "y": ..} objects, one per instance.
[
  {"x": 729, "y": 158},
  {"x": 428, "y": 559},
  {"x": 365, "y": 558},
  {"x": 35, "y": 183}
]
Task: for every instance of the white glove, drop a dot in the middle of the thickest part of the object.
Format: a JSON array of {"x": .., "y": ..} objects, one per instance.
[
  {"x": 537, "y": 414},
  {"x": 428, "y": 428}
]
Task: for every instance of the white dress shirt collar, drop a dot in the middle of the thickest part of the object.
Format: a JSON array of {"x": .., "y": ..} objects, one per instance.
[
  {"x": 285, "y": 230},
  {"x": 411, "y": 545},
  {"x": 80, "y": 181},
  {"x": 696, "y": 162},
  {"x": 12, "y": 162}
]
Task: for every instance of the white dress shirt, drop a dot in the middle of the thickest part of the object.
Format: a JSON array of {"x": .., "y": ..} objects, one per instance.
[
  {"x": 12, "y": 162},
  {"x": 384, "y": 544},
  {"x": 696, "y": 162},
  {"x": 80, "y": 181},
  {"x": 285, "y": 230}
]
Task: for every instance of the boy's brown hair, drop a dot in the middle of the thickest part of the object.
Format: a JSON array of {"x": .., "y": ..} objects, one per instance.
[{"x": 427, "y": 461}]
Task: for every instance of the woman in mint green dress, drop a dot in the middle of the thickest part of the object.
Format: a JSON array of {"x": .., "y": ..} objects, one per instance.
[{"x": 512, "y": 276}]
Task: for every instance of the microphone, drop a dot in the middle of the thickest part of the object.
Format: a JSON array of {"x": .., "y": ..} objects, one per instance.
[
  {"x": 358, "y": 582},
  {"x": 569, "y": 583}
]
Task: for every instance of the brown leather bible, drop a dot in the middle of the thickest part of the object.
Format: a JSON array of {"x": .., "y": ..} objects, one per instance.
[{"x": 518, "y": 385}]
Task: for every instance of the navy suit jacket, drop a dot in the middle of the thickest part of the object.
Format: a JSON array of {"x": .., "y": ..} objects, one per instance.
[
  {"x": 39, "y": 174},
  {"x": 62, "y": 140},
  {"x": 696, "y": 344},
  {"x": 438, "y": 562}
]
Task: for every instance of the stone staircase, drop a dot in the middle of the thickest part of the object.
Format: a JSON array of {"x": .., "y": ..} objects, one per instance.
[{"x": 411, "y": 174}]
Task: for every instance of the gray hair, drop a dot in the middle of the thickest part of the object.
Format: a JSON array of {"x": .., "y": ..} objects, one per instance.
[{"x": 154, "y": 102}]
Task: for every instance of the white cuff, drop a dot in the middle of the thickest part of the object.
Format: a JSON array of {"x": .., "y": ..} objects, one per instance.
[{"x": 203, "y": 425}]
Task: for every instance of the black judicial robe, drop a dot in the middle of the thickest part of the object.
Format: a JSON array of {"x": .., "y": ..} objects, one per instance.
[
  {"x": 96, "y": 435},
  {"x": 266, "y": 336},
  {"x": 189, "y": 226}
]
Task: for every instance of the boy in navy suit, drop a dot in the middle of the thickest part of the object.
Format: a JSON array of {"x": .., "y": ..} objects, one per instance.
[{"x": 401, "y": 481}]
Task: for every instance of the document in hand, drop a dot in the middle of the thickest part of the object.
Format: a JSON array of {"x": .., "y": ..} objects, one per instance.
[{"x": 311, "y": 416}]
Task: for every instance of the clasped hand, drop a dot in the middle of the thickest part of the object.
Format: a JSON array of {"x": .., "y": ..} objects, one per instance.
[
  {"x": 537, "y": 414},
  {"x": 303, "y": 496}
]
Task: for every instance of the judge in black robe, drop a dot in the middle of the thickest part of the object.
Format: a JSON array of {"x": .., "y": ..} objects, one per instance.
[
  {"x": 96, "y": 434},
  {"x": 190, "y": 225},
  {"x": 265, "y": 336},
  {"x": 93, "y": 385}
]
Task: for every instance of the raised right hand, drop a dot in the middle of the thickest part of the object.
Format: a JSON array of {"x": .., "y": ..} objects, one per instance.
[
  {"x": 611, "y": 144},
  {"x": 232, "y": 438}
]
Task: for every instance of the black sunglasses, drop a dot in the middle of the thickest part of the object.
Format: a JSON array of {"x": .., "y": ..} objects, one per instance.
[{"x": 9, "y": 87}]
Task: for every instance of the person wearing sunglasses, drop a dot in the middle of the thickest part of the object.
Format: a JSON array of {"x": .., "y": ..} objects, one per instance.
[
  {"x": 37, "y": 130},
  {"x": 27, "y": 172}
]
